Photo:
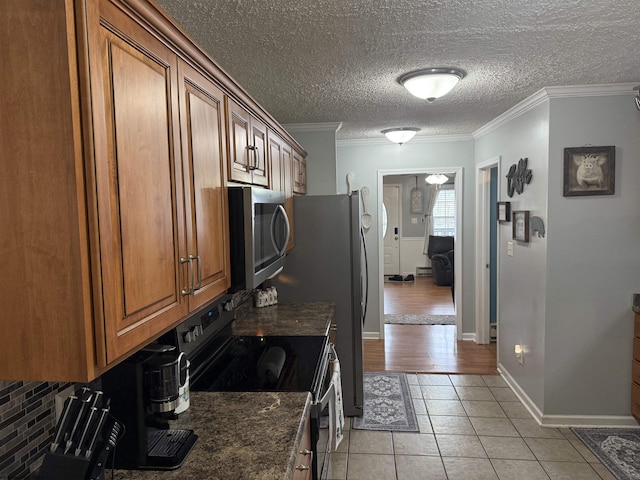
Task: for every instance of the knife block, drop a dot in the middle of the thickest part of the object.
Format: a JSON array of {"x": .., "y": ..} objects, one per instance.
[{"x": 57, "y": 466}]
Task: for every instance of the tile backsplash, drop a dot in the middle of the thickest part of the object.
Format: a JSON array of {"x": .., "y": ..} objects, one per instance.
[{"x": 27, "y": 423}]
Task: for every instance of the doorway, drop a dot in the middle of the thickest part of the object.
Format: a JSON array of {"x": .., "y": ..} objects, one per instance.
[
  {"x": 487, "y": 314},
  {"x": 426, "y": 348},
  {"x": 411, "y": 245}
]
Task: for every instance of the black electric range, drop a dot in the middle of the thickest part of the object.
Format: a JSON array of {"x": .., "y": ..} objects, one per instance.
[{"x": 221, "y": 361}]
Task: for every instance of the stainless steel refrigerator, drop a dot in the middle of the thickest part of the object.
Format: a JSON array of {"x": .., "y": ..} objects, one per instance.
[{"x": 328, "y": 263}]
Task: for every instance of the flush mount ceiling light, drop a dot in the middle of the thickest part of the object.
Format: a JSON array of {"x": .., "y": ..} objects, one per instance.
[
  {"x": 437, "y": 179},
  {"x": 431, "y": 83},
  {"x": 400, "y": 135}
]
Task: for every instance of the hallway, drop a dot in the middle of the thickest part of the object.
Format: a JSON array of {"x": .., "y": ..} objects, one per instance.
[{"x": 425, "y": 348}]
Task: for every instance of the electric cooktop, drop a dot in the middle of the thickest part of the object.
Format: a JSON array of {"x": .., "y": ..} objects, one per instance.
[{"x": 240, "y": 365}]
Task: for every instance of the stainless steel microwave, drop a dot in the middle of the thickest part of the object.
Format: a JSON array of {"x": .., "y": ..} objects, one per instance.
[{"x": 259, "y": 231}]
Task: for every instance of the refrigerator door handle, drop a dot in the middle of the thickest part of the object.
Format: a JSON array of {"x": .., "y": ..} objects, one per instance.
[
  {"x": 280, "y": 250},
  {"x": 366, "y": 277}
]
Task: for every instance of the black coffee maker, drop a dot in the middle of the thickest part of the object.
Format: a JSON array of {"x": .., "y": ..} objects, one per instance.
[{"x": 144, "y": 391}]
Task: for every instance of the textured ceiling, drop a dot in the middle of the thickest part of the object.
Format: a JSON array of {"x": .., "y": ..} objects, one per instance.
[{"x": 311, "y": 61}]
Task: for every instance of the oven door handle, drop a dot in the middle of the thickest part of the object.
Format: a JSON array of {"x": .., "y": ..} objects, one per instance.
[{"x": 322, "y": 403}]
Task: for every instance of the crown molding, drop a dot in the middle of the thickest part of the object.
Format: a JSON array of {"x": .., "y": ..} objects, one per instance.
[
  {"x": 547, "y": 93},
  {"x": 362, "y": 142},
  {"x": 312, "y": 127}
]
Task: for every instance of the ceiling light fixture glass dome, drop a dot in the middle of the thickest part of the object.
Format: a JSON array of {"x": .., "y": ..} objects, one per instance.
[
  {"x": 401, "y": 134},
  {"x": 431, "y": 83},
  {"x": 436, "y": 179}
]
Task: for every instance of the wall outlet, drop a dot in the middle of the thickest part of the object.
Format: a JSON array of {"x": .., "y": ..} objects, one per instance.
[
  {"x": 414, "y": 220},
  {"x": 60, "y": 399}
]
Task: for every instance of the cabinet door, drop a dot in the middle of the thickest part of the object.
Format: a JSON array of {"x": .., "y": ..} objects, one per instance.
[
  {"x": 287, "y": 182},
  {"x": 274, "y": 146},
  {"x": 247, "y": 146},
  {"x": 141, "y": 221},
  {"x": 300, "y": 173},
  {"x": 240, "y": 156},
  {"x": 204, "y": 160},
  {"x": 260, "y": 166}
]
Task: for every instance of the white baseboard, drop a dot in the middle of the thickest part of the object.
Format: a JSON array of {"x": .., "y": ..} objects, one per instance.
[
  {"x": 371, "y": 335},
  {"x": 597, "y": 421},
  {"x": 469, "y": 337},
  {"x": 522, "y": 396},
  {"x": 564, "y": 421}
]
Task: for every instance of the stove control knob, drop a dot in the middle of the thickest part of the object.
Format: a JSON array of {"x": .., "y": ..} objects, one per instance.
[
  {"x": 197, "y": 330},
  {"x": 189, "y": 337}
]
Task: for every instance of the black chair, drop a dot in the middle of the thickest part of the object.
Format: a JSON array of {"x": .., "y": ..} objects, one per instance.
[{"x": 441, "y": 253}]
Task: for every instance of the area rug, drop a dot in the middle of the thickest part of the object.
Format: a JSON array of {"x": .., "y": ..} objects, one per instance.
[
  {"x": 387, "y": 404},
  {"x": 406, "y": 319},
  {"x": 617, "y": 448}
]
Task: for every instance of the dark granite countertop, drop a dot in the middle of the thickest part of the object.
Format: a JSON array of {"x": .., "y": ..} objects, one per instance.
[
  {"x": 241, "y": 436},
  {"x": 296, "y": 319}
]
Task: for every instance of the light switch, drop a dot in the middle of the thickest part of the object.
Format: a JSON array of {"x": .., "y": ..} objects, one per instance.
[
  {"x": 510, "y": 249},
  {"x": 414, "y": 220}
]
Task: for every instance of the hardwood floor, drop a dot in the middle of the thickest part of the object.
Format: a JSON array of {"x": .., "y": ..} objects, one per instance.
[{"x": 425, "y": 348}]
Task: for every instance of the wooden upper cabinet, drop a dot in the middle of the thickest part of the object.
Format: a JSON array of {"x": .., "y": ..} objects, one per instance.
[
  {"x": 204, "y": 160},
  {"x": 46, "y": 295},
  {"x": 115, "y": 215},
  {"x": 299, "y": 173},
  {"x": 247, "y": 146},
  {"x": 139, "y": 185}
]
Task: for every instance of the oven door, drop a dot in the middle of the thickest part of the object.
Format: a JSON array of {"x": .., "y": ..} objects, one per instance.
[{"x": 322, "y": 447}]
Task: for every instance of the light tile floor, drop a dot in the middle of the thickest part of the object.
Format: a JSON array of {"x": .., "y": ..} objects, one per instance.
[{"x": 472, "y": 427}]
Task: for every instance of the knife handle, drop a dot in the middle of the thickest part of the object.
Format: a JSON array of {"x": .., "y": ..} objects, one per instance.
[
  {"x": 83, "y": 436},
  {"x": 94, "y": 437},
  {"x": 63, "y": 422},
  {"x": 73, "y": 436},
  {"x": 112, "y": 439}
]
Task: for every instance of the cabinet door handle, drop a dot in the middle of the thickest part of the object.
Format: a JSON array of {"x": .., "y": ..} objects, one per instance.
[
  {"x": 306, "y": 451},
  {"x": 197, "y": 257},
  {"x": 254, "y": 165},
  {"x": 187, "y": 291},
  {"x": 302, "y": 468}
]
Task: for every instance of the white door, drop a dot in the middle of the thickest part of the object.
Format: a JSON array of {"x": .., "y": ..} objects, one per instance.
[{"x": 391, "y": 210}]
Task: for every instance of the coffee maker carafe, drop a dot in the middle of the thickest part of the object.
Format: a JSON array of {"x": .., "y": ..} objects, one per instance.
[{"x": 144, "y": 392}]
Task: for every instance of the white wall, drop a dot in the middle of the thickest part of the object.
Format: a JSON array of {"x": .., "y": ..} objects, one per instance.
[
  {"x": 522, "y": 277},
  {"x": 365, "y": 160},
  {"x": 593, "y": 263}
]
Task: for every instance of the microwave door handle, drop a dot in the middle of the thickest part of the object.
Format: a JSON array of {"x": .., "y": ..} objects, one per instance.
[{"x": 280, "y": 250}]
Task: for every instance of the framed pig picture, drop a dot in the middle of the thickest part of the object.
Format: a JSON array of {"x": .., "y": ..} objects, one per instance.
[{"x": 589, "y": 171}]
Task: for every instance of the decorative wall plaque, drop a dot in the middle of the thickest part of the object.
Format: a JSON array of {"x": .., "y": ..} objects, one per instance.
[{"x": 518, "y": 176}]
